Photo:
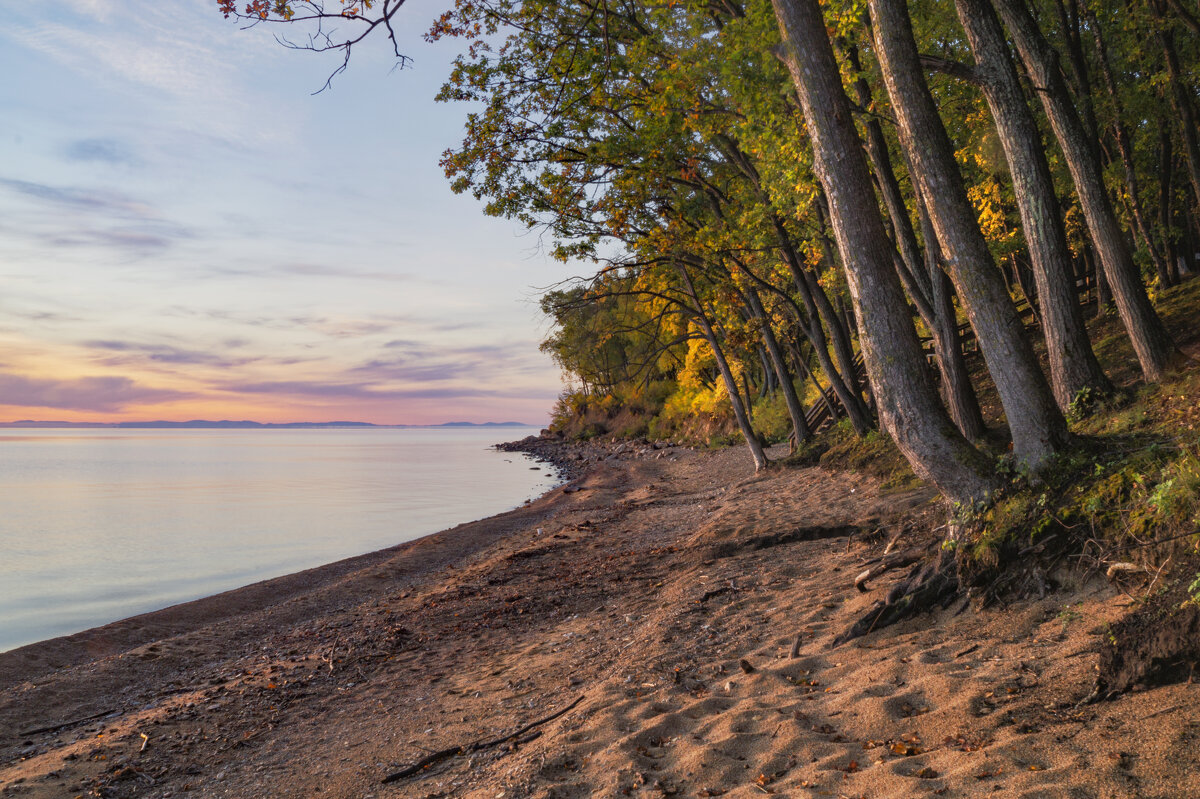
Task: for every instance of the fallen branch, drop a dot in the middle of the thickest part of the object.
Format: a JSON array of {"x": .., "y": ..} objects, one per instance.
[
  {"x": 65, "y": 724},
  {"x": 437, "y": 757}
]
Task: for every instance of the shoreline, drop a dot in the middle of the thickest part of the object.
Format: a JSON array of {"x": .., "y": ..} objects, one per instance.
[
  {"x": 120, "y": 635},
  {"x": 569, "y": 460},
  {"x": 283, "y": 578},
  {"x": 664, "y": 628}
]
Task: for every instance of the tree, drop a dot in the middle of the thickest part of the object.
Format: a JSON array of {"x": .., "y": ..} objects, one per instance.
[
  {"x": 1037, "y": 426},
  {"x": 908, "y": 405}
]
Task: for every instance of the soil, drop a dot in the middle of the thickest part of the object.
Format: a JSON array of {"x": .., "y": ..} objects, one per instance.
[{"x": 681, "y": 611}]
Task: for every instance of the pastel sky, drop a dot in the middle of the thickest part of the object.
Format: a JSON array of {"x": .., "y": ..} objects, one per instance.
[{"x": 187, "y": 232}]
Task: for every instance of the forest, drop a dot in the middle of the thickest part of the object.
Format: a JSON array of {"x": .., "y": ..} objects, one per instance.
[{"x": 937, "y": 239}]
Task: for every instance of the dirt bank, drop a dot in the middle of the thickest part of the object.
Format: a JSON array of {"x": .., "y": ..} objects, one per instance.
[{"x": 683, "y": 611}]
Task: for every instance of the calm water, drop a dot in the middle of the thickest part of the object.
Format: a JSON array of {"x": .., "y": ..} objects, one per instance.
[{"x": 98, "y": 525}]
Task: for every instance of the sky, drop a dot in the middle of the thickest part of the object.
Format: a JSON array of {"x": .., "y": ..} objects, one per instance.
[{"x": 188, "y": 232}]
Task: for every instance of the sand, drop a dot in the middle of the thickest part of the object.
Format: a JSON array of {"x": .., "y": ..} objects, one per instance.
[{"x": 660, "y": 600}]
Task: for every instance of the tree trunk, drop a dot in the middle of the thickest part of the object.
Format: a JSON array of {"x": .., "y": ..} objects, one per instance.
[
  {"x": 1073, "y": 364},
  {"x": 1166, "y": 175},
  {"x": 908, "y": 407},
  {"x": 731, "y": 386},
  {"x": 795, "y": 408},
  {"x": 1150, "y": 339},
  {"x": 956, "y": 378},
  {"x": 856, "y": 410},
  {"x": 1181, "y": 101},
  {"x": 1125, "y": 149},
  {"x": 839, "y": 329},
  {"x": 1103, "y": 295},
  {"x": 1038, "y": 428}
]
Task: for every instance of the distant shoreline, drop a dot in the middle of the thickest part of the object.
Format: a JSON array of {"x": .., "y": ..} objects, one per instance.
[{"x": 204, "y": 424}]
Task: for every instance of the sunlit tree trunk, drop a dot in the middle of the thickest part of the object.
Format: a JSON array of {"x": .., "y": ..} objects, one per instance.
[
  {"x": 786, "y": 385},
  {"x": 960, "y": 395},
  {"x": 731, "y": 386}
]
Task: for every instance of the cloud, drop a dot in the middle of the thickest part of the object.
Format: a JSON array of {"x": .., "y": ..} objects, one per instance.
[
  {"x": 102, "y": 394},
  {"x": 133, "y": 352},
  {"x": 361, "y": 391},
  {"x": 340, "y": 272},
  {"x": 80, "y": 199},
  {"x": 421, "y": 364},
  {"x": 83, "y": 217},
  {"x": 104, "y": 151}
]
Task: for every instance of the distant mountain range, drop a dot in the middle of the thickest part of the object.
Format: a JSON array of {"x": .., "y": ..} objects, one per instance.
[{"x": 228, "y": 424}]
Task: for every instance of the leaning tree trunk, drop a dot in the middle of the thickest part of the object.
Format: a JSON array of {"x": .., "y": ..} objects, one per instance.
[
  {"x": 908, "y": 406},
  {"x": 731, "y": 386},
  {"x": 1150, "y": 339},
  {"x": 1185, "y": 111},
  {"x": 1073, "y": 364},
  {"x": 856, "y": 409},
  {"x": 960, "y": 395},
  {"x": 800, "y": 429},
  {"x": 1125, "y": 149},
  {"x": 1038, "y": 428},
  {"x": 921, "y": 277}
]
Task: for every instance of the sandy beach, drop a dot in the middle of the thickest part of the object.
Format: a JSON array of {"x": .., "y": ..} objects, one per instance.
[{"x": 662, "y": 626}]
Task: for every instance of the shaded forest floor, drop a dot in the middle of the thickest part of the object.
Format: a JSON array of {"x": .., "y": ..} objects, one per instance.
[{"x": 681, "y": 610}]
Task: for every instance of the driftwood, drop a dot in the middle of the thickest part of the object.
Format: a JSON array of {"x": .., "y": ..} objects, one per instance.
[{"x": 437, "y": 757}]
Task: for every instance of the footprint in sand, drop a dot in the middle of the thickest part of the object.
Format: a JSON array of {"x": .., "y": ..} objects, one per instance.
[{"x": 906, "y": 706}]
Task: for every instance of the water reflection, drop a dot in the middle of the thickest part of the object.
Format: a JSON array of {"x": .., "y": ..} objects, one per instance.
[{"x": 96, "y": 525}]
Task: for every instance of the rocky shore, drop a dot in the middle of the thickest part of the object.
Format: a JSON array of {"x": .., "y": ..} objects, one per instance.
[{"x": 574, "y": 458}]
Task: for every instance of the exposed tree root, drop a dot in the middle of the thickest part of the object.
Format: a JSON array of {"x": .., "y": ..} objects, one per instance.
[
  {"x": 929, "y": 585},
  {"x": 885, "y": 564}
]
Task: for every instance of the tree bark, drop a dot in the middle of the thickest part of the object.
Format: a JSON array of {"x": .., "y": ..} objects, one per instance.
[
  {"x": 908, "y": 406},
  {"x": 1038, "y": 428},
  {"x": 1166, "y": 176},
  {"x": 1150, "y": 339},
  {"x": 1181, "y": 101},
  {"x": 1073, "y": 364},
  {"x": 923, "y": 279},
  {"x": 856, "y": 410},
  {"x": 960, "y": 395},
  {"x": 839, "y": 328}
]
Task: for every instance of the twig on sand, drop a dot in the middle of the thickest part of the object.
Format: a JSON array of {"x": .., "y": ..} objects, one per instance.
[
  {"x": 795, "y": 653},
  {"x": 437, "y": 757},
  {"x": 65, "y": 724},
  {"x": 966, "y": 651}
]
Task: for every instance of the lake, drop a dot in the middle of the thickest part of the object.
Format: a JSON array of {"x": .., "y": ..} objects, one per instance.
[{"x": 101, "y": 524}]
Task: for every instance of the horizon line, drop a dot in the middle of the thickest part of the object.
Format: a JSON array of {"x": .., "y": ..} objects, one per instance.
[{"x": 32, "y": 423}]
